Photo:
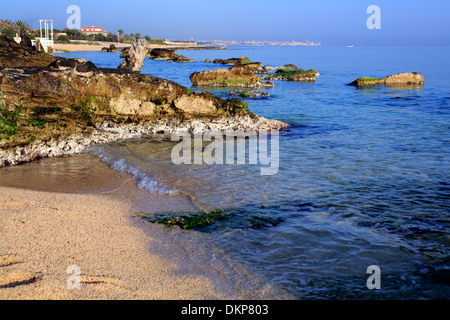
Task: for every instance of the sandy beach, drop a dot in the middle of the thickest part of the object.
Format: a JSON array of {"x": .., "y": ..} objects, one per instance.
[{"x": 119, "y": 255}]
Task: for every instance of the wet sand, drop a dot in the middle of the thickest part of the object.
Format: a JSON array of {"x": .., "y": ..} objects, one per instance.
[{"x": 119, "y": 255}]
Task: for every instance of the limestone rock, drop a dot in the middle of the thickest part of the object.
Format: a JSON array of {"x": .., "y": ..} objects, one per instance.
[
  {"x": 400, "y": 79},
  {"x": 71, "y": 83},
  {"x": 293, "y": 75},
  {"x": 249, "y": 94},
  {"x": 195, "y": 105},
  {"x": 167, "y": 55}
]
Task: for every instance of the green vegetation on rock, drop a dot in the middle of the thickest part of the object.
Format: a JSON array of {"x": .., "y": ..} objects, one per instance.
[
  {"x": 9, "y": 119},
  {"x": 370, "y": 79},
  {"x": 285, "y": 73},
  {"x": 186, "y": 219}
]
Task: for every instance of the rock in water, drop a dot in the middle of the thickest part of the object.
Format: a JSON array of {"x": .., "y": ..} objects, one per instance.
[
  {"x": 233, "y": 77},
  {"x": 249, "y": 94},
  {"x": 112, "y": 48},
  {"x": 295, "y": 75},
  {"x": 136, "y": 56},
  {"x": 161, "y": 54},
  {"x": 167, "y": 55},
  {"x": 399, "y": 79}
]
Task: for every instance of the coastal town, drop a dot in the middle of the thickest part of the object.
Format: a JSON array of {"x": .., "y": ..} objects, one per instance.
[{"x": 261, "y": 43}]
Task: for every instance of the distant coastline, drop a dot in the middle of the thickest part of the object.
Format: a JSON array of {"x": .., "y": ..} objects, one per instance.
[{"x": 257, "y": 43}]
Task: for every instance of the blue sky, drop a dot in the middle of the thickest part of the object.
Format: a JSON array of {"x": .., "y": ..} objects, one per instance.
[{"x": 332, "y": 22}]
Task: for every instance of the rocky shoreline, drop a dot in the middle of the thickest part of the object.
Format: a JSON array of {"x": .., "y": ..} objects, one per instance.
[{"x": 109, "y": 132}]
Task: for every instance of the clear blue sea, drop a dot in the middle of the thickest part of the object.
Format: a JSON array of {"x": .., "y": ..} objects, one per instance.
[{"x": 364, "y": 175}]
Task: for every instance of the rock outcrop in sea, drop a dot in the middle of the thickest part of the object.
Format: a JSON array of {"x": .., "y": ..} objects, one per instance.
[
  {"x": 249, "y": 94},
  {"x": 232, "y": 77},
  {"x": 291, "y": 72},
  {"x": 243, "y": 62},
  {"x": 167, "y": 55},
  {"x": 112, "y": 48},
  {"x": 399, "y": 79}
]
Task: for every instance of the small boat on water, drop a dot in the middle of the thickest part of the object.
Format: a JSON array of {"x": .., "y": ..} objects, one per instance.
[{"x": 350, "y": 46}]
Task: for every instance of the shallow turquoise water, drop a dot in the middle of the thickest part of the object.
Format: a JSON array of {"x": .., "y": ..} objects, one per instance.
[{"x": 363, "y": 177}]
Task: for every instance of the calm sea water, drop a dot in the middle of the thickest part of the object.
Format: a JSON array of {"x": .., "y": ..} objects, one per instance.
[{"x": 364, "y": 175}]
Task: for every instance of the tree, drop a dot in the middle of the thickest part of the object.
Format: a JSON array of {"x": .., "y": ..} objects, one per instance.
[
  {"x": 120, "y": 32},
  {"x": 23, "y": 25},
  {"x": 138, "y": 35}
]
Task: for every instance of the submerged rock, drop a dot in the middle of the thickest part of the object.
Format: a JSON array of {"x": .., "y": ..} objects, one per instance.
[
  {"x": 249, "y": 94},
  {"x": 399, "y": 79}
]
